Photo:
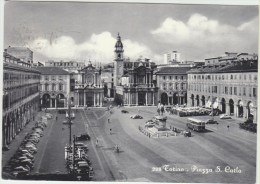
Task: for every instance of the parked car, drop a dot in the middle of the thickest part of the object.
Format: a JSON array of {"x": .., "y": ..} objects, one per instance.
[
  {"x": 20, "y": 171},
  {"x": 225, "y": 116},
  {"x": 83, "y": 137},
  {"x": 27, "y": 155},
  {"x": 136, "y": 116},
  {"x": 124, "y": 111},
  {"x": 211, "y": 121}
]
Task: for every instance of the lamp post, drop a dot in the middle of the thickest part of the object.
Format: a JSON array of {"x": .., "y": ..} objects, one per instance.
[
  {"x": 69, "y": 116},
  {"x": 212, "y": 105}
]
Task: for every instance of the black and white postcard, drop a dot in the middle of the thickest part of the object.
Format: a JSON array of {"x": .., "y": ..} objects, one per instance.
[{"x": 130, "y": 91}]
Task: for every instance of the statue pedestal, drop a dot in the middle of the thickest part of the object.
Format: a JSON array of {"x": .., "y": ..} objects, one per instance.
[{"x": 160, "y": 123}]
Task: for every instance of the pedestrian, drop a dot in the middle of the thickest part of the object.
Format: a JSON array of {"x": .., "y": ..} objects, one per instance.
[
  {"x": 228, "y": 127},
  {"x": 158, "y": 110},
  {"x": 162, "y": 109},
  {"x": 97, "y": 143},
  {"x": 108, "y": 121},
  {"x": 56, "y": 118},
  {"x": 110, "y": 131}
]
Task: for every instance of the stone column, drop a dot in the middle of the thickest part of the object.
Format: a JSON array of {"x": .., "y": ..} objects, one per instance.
[
  {"x": 146, "y": 98},
  {"x": 98, "y": 99},
  {"x": 236, "y": 110},
  {"x": 227, "y": 109},
  {"x": 153, "y": 97},
  {"x": 246, "y": 112},
  {"x": 131, "y": 98},
  {"x": 101, "y": 99},
  {"x": 136, "y": 98},
  {"x": 84, "y": 98},
  {"x": 94, "y": 99}
]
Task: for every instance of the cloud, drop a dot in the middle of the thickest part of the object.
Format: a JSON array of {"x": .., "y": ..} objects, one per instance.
[
  {"x": 201, "y": 37},
  {"x": 99, "y": 47}
]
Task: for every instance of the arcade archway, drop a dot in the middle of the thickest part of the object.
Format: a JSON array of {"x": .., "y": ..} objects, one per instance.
[
  {"x": 60, "y": 100},
  {"x": 198, "y": 100},
  {"x": 203, "y": 100},
  {"x": 223, "y": 104},
  {"x": 164, "y": 98},
  {"x": 240, "y": 108},
  {"x": 250, "y": 106},
  {"x": 231, "y": 106},
  {"x": 175, "y": 99},
  {"x": 192, "y": 100},
  {"x": 46, "y": 100}
]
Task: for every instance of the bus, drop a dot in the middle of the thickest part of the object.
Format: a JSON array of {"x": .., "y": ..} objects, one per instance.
[{"x": 196, "y": 124}]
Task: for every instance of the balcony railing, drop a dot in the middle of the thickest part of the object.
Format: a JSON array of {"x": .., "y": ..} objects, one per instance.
[{"x": 82, "y": 86}]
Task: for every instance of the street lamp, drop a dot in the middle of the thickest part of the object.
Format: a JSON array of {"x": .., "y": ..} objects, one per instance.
[{"x": 69, "y": 116}]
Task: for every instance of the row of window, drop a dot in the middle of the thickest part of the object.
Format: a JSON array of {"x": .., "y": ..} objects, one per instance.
[
  {"x": 19, "y": 94},
  {"x": 223, "y": 77},
  {"x": 241, "y": 91},
  {"x": 181, "y": 86},
  {"x": 53, "y": 77},
  {"x": 172, "y": 77},
  {"x": 52, "y": 87},
  {"x": 63, "y": 64},
  {"x": 20, "y": 76}
]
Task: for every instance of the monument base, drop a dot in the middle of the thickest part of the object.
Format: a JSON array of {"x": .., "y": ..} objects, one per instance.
[{"x": 161, "y": 128}]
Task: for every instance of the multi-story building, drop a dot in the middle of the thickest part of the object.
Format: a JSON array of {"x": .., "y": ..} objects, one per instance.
[
  {"x": 107, "y": 76},
  {"x": 172, "y": 84},
  {"x": 55, "y": 87},
  {"x": 230, "y": 88},
  {"x": 89, "y": 89},
  {"x": 23, "y": 53},
  {"x": 70, "y": 66},
  {"x": 171, "y": 57},
  {"x": 133, "y": 80},
  {"x": 20, "y": 96},
  {"x": 230, "y": 57}
]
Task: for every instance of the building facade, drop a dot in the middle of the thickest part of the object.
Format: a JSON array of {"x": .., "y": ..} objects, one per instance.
[
  {"x": 134, "y": 84},
  {"x": 54, "y": 87},
  {"x": 23, "y": 53},
  {"x": 230, "y": 57},
  {"x": 107, "y": 76},
  {"x": 172, "y": 84},
  {"x": 20, "y": 96},
  {"x": 230, "y": 88},
  {"x": 170, "y": 57},
  {"x": 89, "y": 89},
  {"x": 70, "y": 66}
]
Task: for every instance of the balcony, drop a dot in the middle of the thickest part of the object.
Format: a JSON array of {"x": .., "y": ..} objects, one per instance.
[{"x": 83, "y": 86}]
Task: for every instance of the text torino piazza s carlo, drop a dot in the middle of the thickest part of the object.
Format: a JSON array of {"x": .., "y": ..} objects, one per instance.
[{"x": 197, "y": 169}]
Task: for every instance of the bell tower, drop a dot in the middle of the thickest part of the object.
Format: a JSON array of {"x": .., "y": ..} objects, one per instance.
[{"x": 119, "y": 61}]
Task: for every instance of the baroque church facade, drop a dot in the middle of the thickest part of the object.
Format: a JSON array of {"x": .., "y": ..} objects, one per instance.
[{"x": 134, "y": 86}]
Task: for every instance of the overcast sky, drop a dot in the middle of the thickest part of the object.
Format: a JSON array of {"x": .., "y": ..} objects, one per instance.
[{"x": 83, "y": 31}]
